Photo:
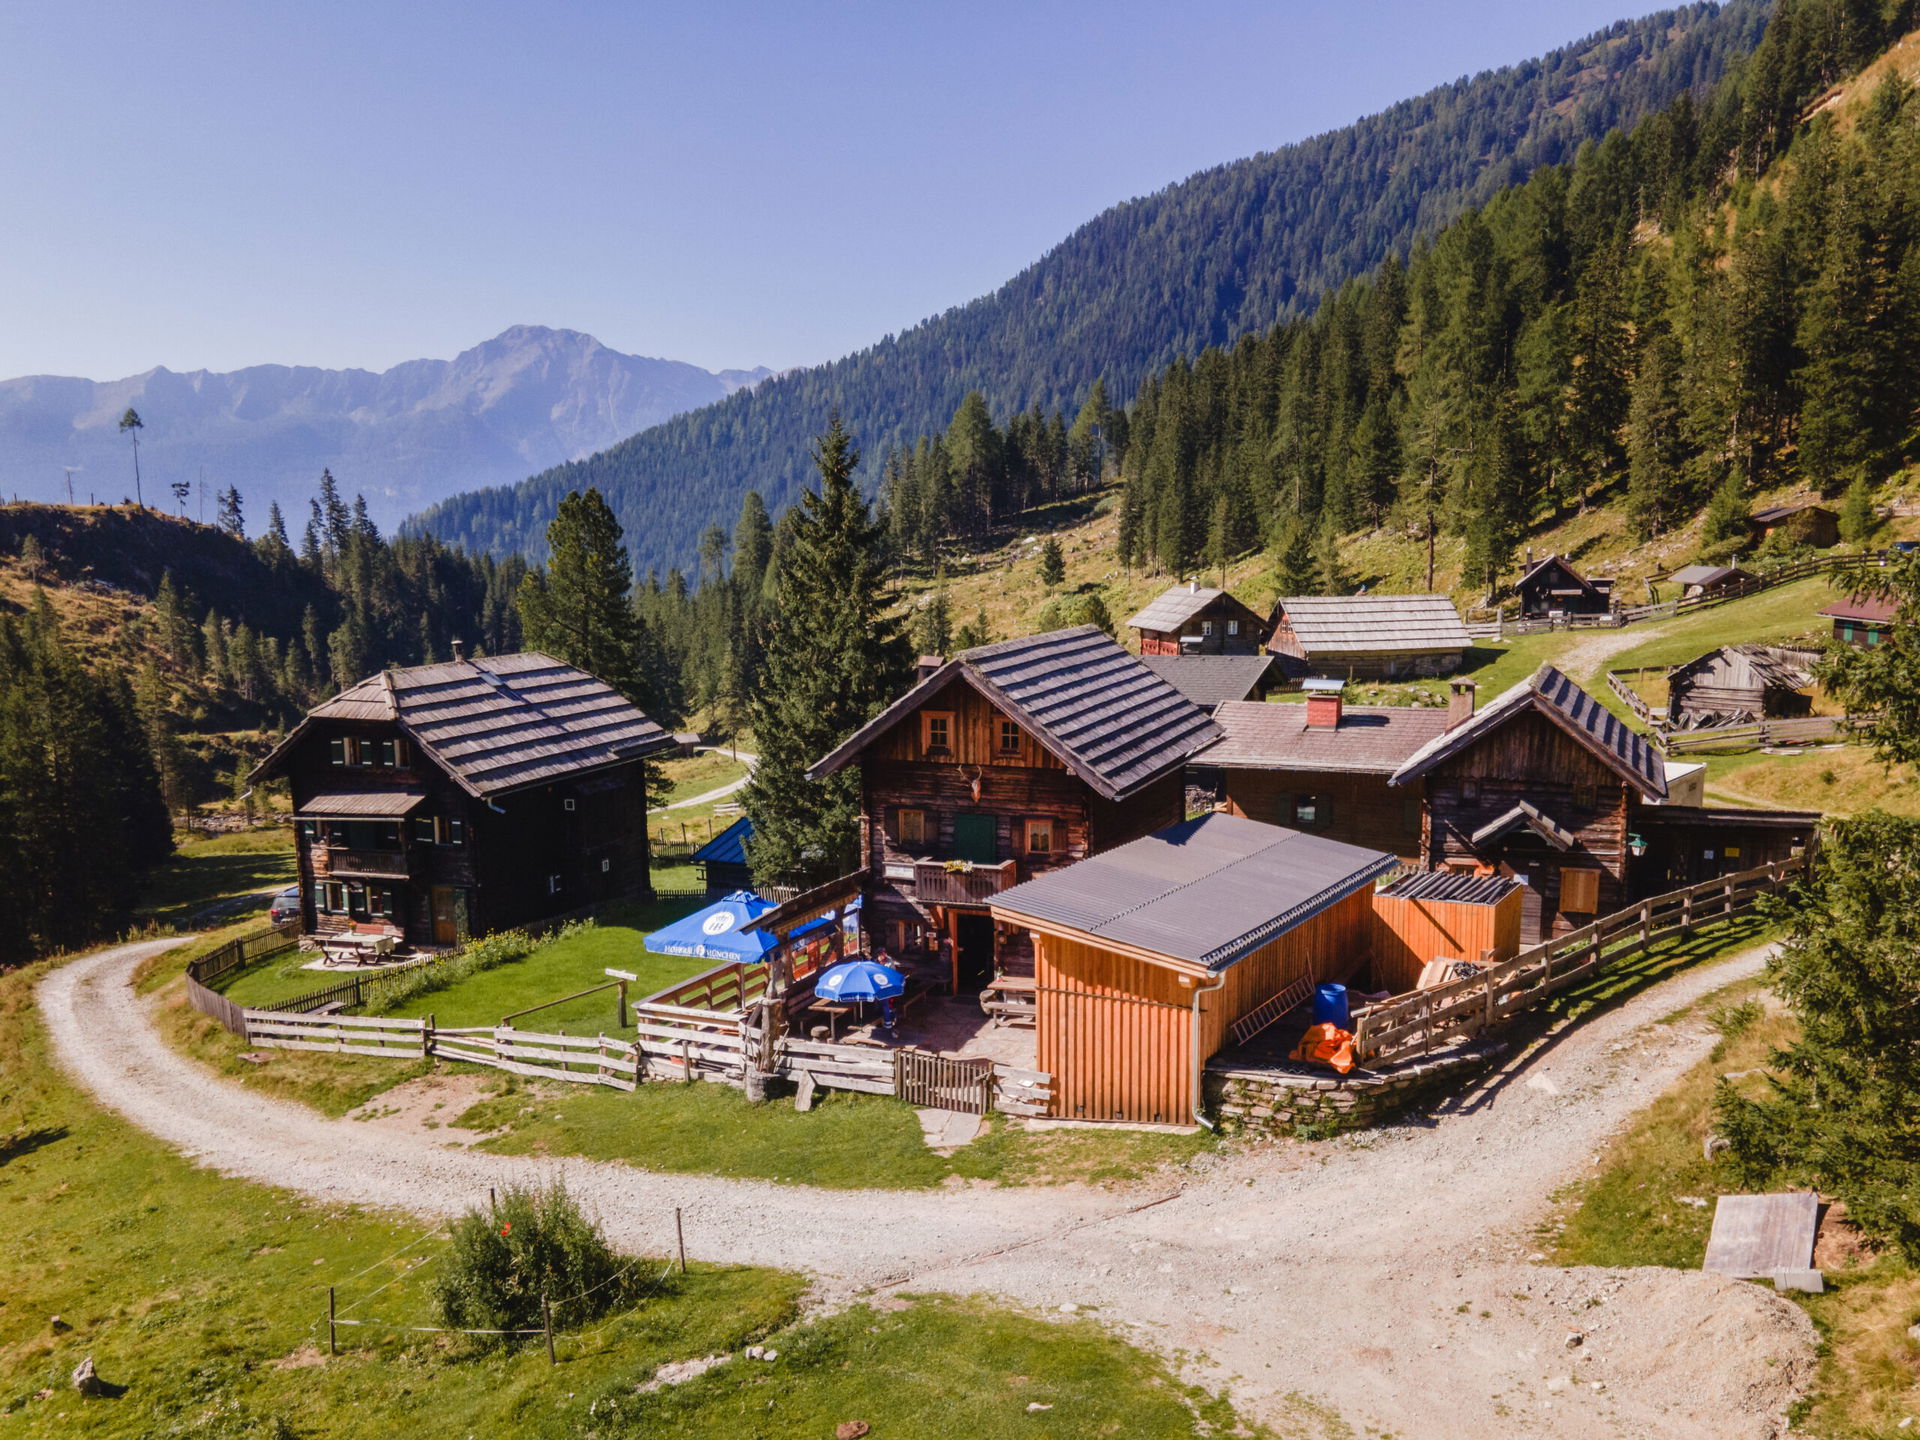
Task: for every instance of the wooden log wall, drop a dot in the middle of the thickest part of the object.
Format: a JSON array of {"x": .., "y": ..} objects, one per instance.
[{"x": 1365, "y": 810}]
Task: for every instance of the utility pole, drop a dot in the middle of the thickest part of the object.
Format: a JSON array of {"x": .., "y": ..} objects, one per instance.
[{"x": 69, "y": 469}]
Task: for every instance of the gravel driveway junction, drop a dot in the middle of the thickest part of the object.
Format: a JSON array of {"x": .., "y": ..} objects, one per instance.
[{"x": 1381, "y": 1279}]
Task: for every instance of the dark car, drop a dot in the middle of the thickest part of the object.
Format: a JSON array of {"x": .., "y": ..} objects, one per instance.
[
  {"x": 1904, "y": 547},
  {"x": 285, "y": 906}
]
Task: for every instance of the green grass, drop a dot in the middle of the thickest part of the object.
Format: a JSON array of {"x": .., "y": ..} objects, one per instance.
[
  {"x": 705, "y": 771},
  {"x": 208, "y": 869},
  {"x": 1774, "y": 616},
  {"x": 846, "y": 1142},
  {"x": 206, "y": 1298}
]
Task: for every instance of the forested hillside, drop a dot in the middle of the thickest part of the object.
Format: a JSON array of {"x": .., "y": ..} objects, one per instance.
[
  {"x": 1231, "y": 250},
  {"x": 1717, "y": 302}
]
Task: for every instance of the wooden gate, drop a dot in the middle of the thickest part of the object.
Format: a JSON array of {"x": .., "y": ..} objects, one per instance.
[{"x": 940, "y": 1082}]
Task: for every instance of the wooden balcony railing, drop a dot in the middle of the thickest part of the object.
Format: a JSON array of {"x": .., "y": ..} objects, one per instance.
[
  {"x": 935, "y": 884},
  {"x": 369, "y": 864}
]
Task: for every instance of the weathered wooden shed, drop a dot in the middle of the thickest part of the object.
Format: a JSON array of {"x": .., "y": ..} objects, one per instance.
[
  {"x": 1191, "y": 619},
  {"x": 1368, "y": 636},
  {"x": 1441, "y": 915},
  {"x": 1863, "y": 621},
  {"x": 1147, "y": 956},
  {"x": 1738, "y": 684},
  {"x": 1802, "y": 521},
  {"x": 1553, "y": 587},
  {"x": 1696, "y": 581}
]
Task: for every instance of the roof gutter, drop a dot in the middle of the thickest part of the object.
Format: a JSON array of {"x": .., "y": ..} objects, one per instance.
[{"x": 1199, "y": 1099}]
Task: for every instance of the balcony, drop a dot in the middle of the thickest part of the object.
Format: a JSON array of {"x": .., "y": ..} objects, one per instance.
[
  {"x": 345, "y": 864},
  {"x": 935, "y": 884}
]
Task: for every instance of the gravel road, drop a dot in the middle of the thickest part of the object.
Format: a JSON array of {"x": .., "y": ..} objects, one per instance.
[{"x": 1382, "y": 1279}]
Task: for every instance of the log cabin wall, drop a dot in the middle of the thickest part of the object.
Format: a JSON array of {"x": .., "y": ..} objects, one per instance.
[
  {"x": 1407, "y": 933},
  {"x": 559, "y": 848},
  {"x": 1153, "y": 807},
  {"x": 1530, "y": 758},
  {"x": 975, "y": 736},
  {"x": 1361, "y": 809}
]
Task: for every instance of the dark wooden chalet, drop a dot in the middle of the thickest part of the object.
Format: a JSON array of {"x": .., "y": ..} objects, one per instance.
[
  {"x": 723, "y": 860},
  {"x": 1542, "y": 786},
  {"x": 1192, "y": 620},
  {"x": 1861, "y": 620},
  {"x": 1368, "y": 636},
  {"x": 448, "y": 801},
  {"x": 1323, "y": 767},
  {"x": 1738, "y": 684},
  {"x": 1009, "y": 761},
  {"x": 1699, "y": 581},
  {"x": 1553, "y": 587},
  {"x": 1802, "y": 521},
  {"x": 1211, "y": 681}
]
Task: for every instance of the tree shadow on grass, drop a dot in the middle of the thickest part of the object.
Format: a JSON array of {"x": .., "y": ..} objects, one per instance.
[{"x": 25, "y": 1142}]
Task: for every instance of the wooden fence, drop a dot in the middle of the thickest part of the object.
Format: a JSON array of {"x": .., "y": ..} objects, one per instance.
[
  {"x": 237, "y": 954},
  {"x": 1802, "y": 730},
  {"x": 1413, "y": 1024},
  {"x": 1635, "y": 702}
]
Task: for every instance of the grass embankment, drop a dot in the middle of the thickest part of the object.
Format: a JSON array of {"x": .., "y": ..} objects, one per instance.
[
  {"x": 1651, "y": 1203},
  {"x": 206, "y": 1298},
  {"x": 208, "y": 869}
]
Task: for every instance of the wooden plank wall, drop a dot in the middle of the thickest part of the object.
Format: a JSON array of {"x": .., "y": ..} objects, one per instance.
[
  {"x": 1366, "y": 810},
  {"x": 1409, "y": 933},
  {"x": 1337, "y": 941},
  {"x": 1113, "y": 1033}
]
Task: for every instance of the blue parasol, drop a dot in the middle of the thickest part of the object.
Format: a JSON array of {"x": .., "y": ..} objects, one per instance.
[
  {"x": 859, "y": 980},
  {"x": 722, "y": 931}
]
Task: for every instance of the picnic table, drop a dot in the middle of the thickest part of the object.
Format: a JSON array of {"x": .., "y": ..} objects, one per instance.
[
  {"x": 834, "y": 1010},
  {"x": 1010, "y": 998},
  {"x": 352, "y": 949}
]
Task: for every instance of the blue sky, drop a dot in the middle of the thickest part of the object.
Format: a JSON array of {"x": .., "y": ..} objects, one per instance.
[{"x": 339, "y": 183}]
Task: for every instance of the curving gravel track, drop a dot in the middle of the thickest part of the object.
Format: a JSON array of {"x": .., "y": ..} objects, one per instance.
[{"x": 1381, "y": 1279}]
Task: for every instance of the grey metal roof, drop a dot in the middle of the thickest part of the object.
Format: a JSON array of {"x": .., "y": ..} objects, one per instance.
[
  {"x": 388, "y": 804},
  {"x": 1453, "y": 889},
  {"x": 1370, "y": 739},
  {"x": 1552, "y": 694},
  {"x": 496, "y": 723},
  {"x": 1705, "y": 574},
  {"x": 1205, "y": 892},
  {"x": 1095, "y": 707},
  {"x": 1372, "y": 624},
  {"x": 729, "y": 847},
  {"x": 1210, "y": 680},
  {"x": 1171, "y": 609}
]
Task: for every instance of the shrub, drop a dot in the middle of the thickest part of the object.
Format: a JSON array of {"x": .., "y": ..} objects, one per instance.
[
  {"x": 536, "y": 1243},
  {"x": 388, "y": 992},
  {"x": 1733, "y": 1021}
]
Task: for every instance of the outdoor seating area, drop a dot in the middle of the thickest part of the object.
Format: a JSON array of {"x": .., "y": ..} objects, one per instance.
[{"x": 361, "y": 948}]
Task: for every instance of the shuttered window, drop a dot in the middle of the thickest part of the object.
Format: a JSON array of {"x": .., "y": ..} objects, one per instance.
[
  {"x": 337, "y": 750},
  {"x": 1579, "y": 891},
  {"x": 423, "y": 830},
  {"x": 912, "y": 826},
  {"x": 1040, "y": 837}
]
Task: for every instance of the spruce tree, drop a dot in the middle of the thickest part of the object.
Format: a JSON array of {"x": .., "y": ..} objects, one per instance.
[
  {"x": 835, "y": 656},
  {"x": 1295, "y": 570},
  {"x": 1724, "y": 529},
  {"x": 579, "y": 610},
  {"x": 1053, "y": 564},
  {"x": 1884, "y": 680},
  {"x": 1857, "y": 520},
  {"x": 231, "y": 517}
]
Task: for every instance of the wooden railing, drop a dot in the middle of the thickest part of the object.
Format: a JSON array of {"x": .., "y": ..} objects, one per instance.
[
  {"x": 1635, "y": 702},
  {"x": 1413, "y": 1024},
  {"x": 1802, "y": 730},
  {"x": 236, "y": 954},
  {"x": 379, "y": 864},
  {"x": 935, "y": 884}
]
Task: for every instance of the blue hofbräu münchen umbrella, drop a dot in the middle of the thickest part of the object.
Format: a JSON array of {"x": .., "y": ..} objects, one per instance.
[
  {"x": 722, "y": 931},
  {"x": 859, "y": 980}
]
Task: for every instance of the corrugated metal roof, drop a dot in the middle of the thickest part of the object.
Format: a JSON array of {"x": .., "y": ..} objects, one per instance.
[
  {"x": 1206, "y": 892},
  {"x": 1875, "y": 609},
  {"x": 1171, "y": 609},
  {"x": 1210, "y": 680},
  {"x": 1567, "y": 705},
  {"x": 496, "y": 723},
  {"x": 1444, "y": 885},
  {"x": 1095, "y": 707},
  {"x": 729, "y": 847},
  {"x": 387, "y": 804},
  {"x": 1706, "y": 574},
  {"x": 1373, "y": 624},
  {"x": 1370, "y": 740}
]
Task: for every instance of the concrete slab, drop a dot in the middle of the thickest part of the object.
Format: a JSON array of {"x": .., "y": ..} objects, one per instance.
[{"x": 947, "y": 1130}]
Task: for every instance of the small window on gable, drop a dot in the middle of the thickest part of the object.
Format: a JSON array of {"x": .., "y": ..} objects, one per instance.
[
  {"x": 913, "y": 827},
  {"x": 1009, "y": 737},
  {"x": 1206, "y": 627},
  {"x": 936, "y": 731},
  {"x": 1312, "y": 812},
  {"x": 337, "y": 750},
  {"x": 1040, "y": 837},
  {"x": 1579, "y": 891},
  {"x": 1233, "y": 627}
]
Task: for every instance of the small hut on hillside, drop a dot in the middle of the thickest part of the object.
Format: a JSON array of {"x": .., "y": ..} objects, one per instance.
[
  {"x": 1553, "y": 587},
  {"x": 1193, "y": 620},
  {"x": 1803, "y": 521},
  {"x": 1739, "y": 684},
  {"x": 723, "y": 860},
  {"x": 1697, "y": 581}
]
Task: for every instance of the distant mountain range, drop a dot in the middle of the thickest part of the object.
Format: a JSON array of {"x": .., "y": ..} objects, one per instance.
[
  {"x": 1227, "y": 251},
  {"x": 525, "y": 400}
]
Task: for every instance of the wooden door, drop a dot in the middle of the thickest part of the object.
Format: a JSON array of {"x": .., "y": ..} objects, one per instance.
[{"x": 446, "y": 930}]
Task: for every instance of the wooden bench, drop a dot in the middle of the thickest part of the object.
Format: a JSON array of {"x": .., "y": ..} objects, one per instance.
[{"x": 1010, "y": 1000}]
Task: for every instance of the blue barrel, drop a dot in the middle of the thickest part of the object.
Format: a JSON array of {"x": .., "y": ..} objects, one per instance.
[{"x": 1330, "y": 1007}]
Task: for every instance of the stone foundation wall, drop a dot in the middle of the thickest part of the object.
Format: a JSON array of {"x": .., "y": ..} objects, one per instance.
[{"x": 1282, "y": 1101}]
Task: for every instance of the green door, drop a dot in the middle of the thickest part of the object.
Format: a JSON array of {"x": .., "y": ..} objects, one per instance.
[{"x": 973, "y": 839}]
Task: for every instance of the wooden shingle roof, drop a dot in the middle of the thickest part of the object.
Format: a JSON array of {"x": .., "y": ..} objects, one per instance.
[
  {"x": 1369, "y": 740},
  {"x": 1091, "y": 704},
  {"x": 1553, "y": 695},
  {"x": 497, "y": 723},
  {"x": 1210, "y": 680},
  {"x": 1370, "y": 624},
  {"x": 1171, "y": 609}
]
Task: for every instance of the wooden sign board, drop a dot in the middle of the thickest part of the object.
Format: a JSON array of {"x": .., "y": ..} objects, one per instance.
[{"x": 1756, "y": 1235}]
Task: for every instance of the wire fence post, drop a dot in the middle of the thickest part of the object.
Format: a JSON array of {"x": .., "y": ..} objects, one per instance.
[
  {"x": 333, "y": 1345},
  {"x": 680, "y": 1236},
  {"x": 546, "y": 1318}
]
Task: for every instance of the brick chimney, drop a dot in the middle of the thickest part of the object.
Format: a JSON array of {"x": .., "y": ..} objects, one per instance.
[
  {"x": 1460, "y": 703},
  {"x": 1324, "y": 703}
]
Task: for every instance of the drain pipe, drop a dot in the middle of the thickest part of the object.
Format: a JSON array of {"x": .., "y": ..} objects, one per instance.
[{"x": 1199, "y": 1099}]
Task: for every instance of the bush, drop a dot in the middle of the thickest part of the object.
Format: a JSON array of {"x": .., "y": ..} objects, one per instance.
[
  {"x": 1083, "y": 608},
  {"x": 536, "y": 1243},
  {"x": 388, "y": 992}
]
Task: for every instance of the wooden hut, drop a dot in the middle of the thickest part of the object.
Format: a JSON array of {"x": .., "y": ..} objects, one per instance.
[
  {"x": 1368, "y": 636},
  {"x": 1009, "y": 761},
  {"x": 1439, "y": 915},
  {"x": 1861, "y": 620},
  {"x": 1553, "y": 587},
  {"x": 1698, "y": 581},
  {"x": 1211, "y": 681},
  {"x": 447, "y": 801},
  {"x": 1147, "y": 956},
  {"x": 1803, "y": 521},
  {"x": 723, "y": 860},
  {"x": 1738, "y": 684},
  {"x": 1193, "y": 620}
]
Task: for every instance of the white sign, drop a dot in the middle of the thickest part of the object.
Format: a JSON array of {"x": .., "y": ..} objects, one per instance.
[{"x": 717, "y": 923}]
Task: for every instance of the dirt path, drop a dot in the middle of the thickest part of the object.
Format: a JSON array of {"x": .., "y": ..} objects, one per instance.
[
  {"x": 1583, "y": 661},
  {"x": 1381, "y": 1280},
  {"x": 719, "y": 794}
]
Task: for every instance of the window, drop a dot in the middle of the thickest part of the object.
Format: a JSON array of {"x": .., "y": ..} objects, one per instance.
[
  {"x": 1233, "y": 627},
  {"x": 1580, "y": 891},
  {"x": 569, "y": 805},
  {"x": 337, "y": 746},
  {"x": 936, "y": 731},
  {"x": 394, "y": 753},
  {"x": 913, "y": 827},
  {"x": 1206, "y": 627},
  {"x": 1732, "y": 852},
  {"x": 453, "y": 831},
  {"x": 606, "y": 867},
  {"x": 310, "y": 831},
  {"x": 1009, "y": 737},
  {"x": 1312, "y": 812},
  {"x": 379, "y": 901},
  {"x": 439, "y": 830},
  {"x": 423, "y": 830},
  {"x": 1470, "y": 791},
  {"x": 336, "y": 898},
  {"x": 1040, "y": 837},
  {"x": 553, "y": 884},
  {"x": 1846, "y": 633}
]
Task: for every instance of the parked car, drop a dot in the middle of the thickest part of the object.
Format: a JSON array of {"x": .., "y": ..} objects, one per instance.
[
  {"x": 285, "y": 906},
  {"x": 1903, "y": 547}
]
